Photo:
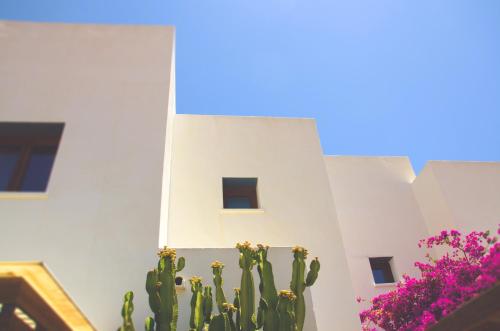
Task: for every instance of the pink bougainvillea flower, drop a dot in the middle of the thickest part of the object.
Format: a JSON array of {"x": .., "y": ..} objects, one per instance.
[{"x": 472, "y": 266}]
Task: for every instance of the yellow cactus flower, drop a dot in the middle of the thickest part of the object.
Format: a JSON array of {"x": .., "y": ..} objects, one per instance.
[{"x": 217, "y": 265}]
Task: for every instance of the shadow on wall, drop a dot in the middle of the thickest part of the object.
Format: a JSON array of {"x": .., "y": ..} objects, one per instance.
[{"x": 198, "y": 261}]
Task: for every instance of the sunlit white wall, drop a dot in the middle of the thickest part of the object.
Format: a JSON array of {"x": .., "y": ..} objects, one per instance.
[
  {"x": 96, "y": 227},
  {"x": 293, "y": 190},
  {"x": 461, "y": 195},
  {"x": 378, "y": 216}
]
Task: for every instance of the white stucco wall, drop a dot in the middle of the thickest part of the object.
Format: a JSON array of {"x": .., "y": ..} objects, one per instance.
[
  {"x": 297, "y": 208},
  {"x": 461, "y": 195},
  {"x": 378, "y": 216},
  {"x": 128, "y": 172},
  {"x": 96, "y": 227},
  {"x": 167, "y": 159}
]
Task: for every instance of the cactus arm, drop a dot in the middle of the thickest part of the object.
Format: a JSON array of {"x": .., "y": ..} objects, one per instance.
[
  {"x": 181, "y": 263},
  {"x": 216, "y": 324},
  {"x": 227, "y": 324},
  {"x": 149, "y": 324},
  {"x": 197, "y": 317},
  {"x": 220, "y": 323},
  {"x": 284, "y": 324},
  {"x": 312, "y": 275},
  {"x": 220, "y": 298},
  {"x": 300, "y": 312},
  {"x": 268, "y": 292},
  {"x": 127, "y": 310},
  {"x": 287, "y": 320},
  {"x": 192, "y": 317},
  {"x": 291, "y": 318},
  {"x": 175, "y": 313},
  {"x": 232, "y": 325},
  {"x": 207, "y": 304},
  {"x": 167, "y": 295},
  {"x": 236, "y": 304},
  {"x": 261, "y": 313},
  {"x": 160, "y": 285},
  {"x": 298, "y": 284},
  {"x": 151, "y": 283},
  {"x": 247, "y": 291}
]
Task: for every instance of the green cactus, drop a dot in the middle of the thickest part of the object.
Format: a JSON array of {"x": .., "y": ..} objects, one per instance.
[
  {"x": 207, "y": 304},
  {"x": 283, "y": 312},
  {"x": 287, "y": 318},
  {"x": 220, "y": 298},
  {"x": 267, "y": 312},
  {"x": 127, "y": 310},
  {"x": 160, "y": 285},
  {"x": 197, "y": 318},
  {"x": 149, "y": 324},
  {"x": 230, "y": 313},
  {"x": 298, "y": 284},
  {"x": 230, "y": 310},
  {"x": 220, "y": 323},
  {"x": 247, "y": 288},
  {"x": 236, "y": 304}
]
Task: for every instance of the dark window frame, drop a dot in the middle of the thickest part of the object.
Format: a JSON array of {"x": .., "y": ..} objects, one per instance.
[
  {"x": 383, "y": 264},
  {"x": 27, "y": 145},
  {"x": 246, "y": 191}
]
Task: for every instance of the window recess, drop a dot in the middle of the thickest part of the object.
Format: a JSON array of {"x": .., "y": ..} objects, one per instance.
[
  {"x": 27, "y": 154},
  {"x": 381, "y": 270},
  {"x": 240, "y": 193}
]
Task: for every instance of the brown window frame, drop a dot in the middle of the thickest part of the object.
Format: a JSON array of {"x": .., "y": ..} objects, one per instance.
[
  {"x": 240, "y": 191},
  {"x": 26, "y": 145},
  {"x": 384, "y": 264}
]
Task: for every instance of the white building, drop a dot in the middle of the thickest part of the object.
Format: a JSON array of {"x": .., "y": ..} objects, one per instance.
[{"x": 130, "y": 175}]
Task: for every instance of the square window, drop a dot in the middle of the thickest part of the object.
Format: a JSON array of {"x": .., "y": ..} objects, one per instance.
[
  {"x": 27, "y": 154},
  {"x": 381, "y": 270},
  {"x": 240, "y": 193}
]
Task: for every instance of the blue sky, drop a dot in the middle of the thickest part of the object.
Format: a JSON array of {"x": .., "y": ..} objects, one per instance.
[{"x": 417, "y": 78}]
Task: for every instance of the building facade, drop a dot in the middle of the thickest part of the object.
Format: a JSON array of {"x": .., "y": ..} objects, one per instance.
[{"x": 130, "y": 175}]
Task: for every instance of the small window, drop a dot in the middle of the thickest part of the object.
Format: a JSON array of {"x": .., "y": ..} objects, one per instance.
[
  {"x": 240, "y": 193},
  {"x": 381, "y": 269},
  {"x": 179, "y": 280},
  {"x": 27, "y": 154}
]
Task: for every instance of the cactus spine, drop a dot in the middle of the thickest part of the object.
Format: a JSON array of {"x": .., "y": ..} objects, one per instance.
[
  {"x": 247, "y": 289},
  {"x": 197, "y": 318},
  {"x": 160, "y": 285},
  {"x": 267, "y": 313},
  {"x": 298, "y": 284},
  {"x": 127, "y": 310}
]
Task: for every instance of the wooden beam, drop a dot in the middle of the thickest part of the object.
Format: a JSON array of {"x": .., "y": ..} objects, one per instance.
[
  {"x": 479, "y": 314},
  {"x": 39, "y": 280},
  {"x": 16, "y": 292}
]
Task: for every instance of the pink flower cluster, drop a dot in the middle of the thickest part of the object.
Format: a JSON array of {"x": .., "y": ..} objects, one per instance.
[{"x": 471, "y": 266}]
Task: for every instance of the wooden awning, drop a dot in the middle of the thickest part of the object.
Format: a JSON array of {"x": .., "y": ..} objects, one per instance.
[
  {"x": 481, "y": 313},
  {"x": 32, "y": 299}
]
